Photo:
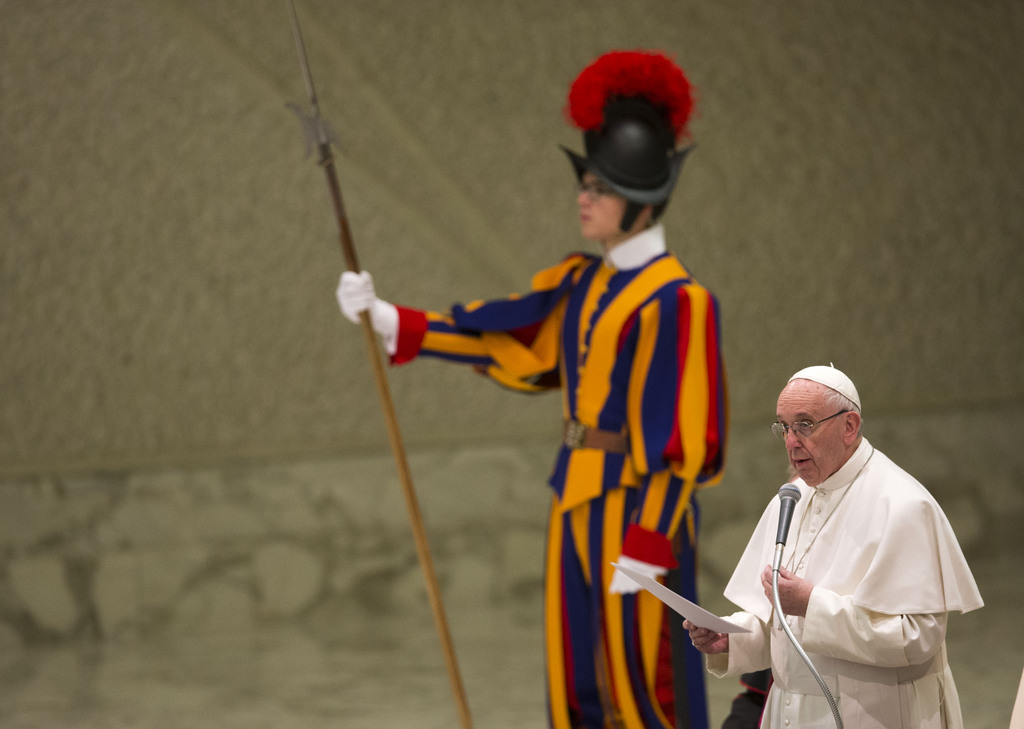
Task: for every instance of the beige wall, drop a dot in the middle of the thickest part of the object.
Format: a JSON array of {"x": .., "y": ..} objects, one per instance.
[{"x": 169, "y": 257}]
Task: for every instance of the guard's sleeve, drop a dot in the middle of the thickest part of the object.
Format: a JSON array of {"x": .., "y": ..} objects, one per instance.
[
  {"x": 677, "y": 442},
  {"x": 515, "y": 341},
  {"x": 695, "y": 449}
]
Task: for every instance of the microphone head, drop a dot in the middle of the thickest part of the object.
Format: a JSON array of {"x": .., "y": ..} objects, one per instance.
[
  {"x": 788, "y": 496},
  {"x": 789, "y": 491}
]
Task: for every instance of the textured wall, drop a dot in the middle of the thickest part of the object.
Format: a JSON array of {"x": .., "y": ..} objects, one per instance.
[{"x": 169, "y": 257}]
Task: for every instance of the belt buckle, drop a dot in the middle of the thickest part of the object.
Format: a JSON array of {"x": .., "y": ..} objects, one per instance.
[{"x": 574, "y": 434}]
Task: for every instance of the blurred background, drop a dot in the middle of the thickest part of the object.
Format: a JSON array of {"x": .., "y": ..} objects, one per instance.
[{"x": 200, "y": 518}]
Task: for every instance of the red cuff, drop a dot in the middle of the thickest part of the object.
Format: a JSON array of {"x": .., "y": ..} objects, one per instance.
[
  {"x": 650, "y": 547},
  {"x": 412, "y": 326}
]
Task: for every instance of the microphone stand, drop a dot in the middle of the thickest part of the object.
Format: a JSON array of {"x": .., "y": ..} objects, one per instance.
[{"x": 776, "y": 563}]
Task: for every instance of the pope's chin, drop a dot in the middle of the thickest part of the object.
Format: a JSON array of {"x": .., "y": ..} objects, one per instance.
[{"x": 803, "y": 467}]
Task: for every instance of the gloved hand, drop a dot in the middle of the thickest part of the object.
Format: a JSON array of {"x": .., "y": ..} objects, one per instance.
[
  {"x": 622, "y": 584},
  {"x": 356, "y": 294}
]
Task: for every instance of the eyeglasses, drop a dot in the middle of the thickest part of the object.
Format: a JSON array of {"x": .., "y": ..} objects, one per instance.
[
  {"x": 594, "y": 189},
  {"x": 801, "y": 428}
]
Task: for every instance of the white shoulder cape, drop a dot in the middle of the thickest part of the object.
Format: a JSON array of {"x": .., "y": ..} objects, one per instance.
[{"x": 888, "y": 544}]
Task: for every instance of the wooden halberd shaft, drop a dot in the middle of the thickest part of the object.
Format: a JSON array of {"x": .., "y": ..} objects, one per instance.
[{"x": 315, "y": 125}]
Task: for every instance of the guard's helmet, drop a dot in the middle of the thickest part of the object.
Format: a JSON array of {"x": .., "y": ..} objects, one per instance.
[{"x": 633, "y": 107}]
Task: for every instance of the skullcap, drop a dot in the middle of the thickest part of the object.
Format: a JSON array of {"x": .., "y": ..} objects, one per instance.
[{"x": 831, "y": 378}]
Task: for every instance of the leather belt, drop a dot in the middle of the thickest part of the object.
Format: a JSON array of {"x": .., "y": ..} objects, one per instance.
[{"x": 576, "y": 435}]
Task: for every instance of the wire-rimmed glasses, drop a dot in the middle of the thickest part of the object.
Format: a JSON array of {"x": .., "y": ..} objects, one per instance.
[
  {"x": 595, "y": 189},
  {"x": 801, "y": 428}
]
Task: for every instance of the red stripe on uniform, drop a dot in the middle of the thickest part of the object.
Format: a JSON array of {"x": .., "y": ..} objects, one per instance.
[
  {"x": 713, "y": 439},
  {"x": 674, "y": 448}
]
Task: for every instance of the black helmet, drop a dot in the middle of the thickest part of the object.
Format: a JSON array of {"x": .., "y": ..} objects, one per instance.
[{"x": 632, "y": 107}]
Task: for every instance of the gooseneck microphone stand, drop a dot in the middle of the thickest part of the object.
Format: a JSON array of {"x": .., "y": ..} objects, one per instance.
[{"x": 789, "y": 495}]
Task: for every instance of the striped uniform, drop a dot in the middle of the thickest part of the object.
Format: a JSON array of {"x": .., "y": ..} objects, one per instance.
[{"x": 635, "y": 352}]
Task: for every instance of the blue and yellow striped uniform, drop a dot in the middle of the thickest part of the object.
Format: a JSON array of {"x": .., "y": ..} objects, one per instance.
[{"x": 633, "y": 352}]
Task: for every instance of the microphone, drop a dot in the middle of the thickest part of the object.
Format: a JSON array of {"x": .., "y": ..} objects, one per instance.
[{"x": 788, "y": 495}]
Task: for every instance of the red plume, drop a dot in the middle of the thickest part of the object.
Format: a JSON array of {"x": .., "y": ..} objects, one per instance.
[{"x": 630, "y": 74}]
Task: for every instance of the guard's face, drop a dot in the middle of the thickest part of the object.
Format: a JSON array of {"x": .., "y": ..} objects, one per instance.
[
  {"x": 601, "y": 211},
  {"x": 830, "y": 443}
]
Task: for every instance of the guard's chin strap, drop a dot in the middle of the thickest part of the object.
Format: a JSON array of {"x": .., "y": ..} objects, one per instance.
[
  {"x": 629, "y": 217},
  {"x": 633, "y": 211}
]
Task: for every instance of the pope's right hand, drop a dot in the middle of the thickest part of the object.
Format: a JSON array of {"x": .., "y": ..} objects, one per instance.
[{"x": 707, "y": 641}]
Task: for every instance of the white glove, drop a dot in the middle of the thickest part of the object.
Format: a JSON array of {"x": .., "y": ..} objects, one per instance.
[
  {"x": 356, "y": 294},
  {"x": 622, "y": 584}
]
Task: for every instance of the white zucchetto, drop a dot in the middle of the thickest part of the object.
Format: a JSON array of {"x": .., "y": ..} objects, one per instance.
[{"x": 831, "y": 378}]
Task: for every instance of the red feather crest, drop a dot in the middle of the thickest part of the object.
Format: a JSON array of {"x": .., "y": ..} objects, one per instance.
[{"x": 630, "y": 74}]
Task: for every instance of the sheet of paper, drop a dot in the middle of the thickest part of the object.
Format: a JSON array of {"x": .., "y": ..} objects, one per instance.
[{"x": 689, "y": 610}]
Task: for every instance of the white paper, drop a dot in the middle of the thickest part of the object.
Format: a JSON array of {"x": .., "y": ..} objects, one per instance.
[{"x": 689, "y": 610}]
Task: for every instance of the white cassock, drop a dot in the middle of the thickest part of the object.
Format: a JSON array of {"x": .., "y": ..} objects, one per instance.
[{"x": 887, "y": 570}]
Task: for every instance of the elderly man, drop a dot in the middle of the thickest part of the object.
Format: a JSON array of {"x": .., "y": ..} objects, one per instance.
[{"x": 871, "y": 570}]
